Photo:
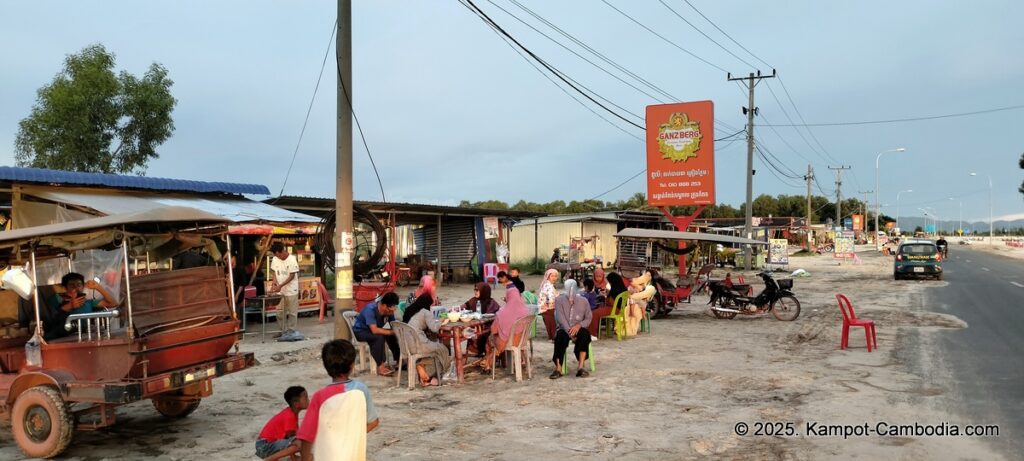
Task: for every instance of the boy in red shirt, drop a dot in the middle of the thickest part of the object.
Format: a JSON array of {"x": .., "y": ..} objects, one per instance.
[
  {"x": 338, "y": 357},
  {"x": 277, "y": 439}
]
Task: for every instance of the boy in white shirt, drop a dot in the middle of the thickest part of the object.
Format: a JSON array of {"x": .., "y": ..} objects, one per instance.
[{"x": 286, "y": 282}]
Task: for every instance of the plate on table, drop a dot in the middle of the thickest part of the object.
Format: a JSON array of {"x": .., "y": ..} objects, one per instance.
[{"x": 488, "y": 316}]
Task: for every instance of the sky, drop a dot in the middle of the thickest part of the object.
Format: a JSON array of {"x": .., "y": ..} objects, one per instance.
[{"x": 450, "y": 112}]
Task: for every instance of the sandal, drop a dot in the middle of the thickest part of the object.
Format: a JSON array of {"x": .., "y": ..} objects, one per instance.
[{"x": 388, "y": 372}]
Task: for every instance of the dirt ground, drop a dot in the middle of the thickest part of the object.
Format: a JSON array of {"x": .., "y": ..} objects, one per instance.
[{"x": 675, "y": 394}]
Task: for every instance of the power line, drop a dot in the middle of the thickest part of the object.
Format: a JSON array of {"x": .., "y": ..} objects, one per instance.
[
  {"x": 727, "y": 35},
  {"x": 309, "y": 110},
  {"x": 705, "y": 35},
  {"x": 773, "y": 169},
  {"x": 487, "y": 20},
  {"x": 911, "y": 119},
  {"x": 359, "y": 126},
  {"x": 670, "y": 42}
]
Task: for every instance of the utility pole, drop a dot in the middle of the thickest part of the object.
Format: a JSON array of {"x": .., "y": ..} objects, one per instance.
[
  {"x": 839, "y": 193},
  {"x": 809, "y": 178},
  {"x": 343, "y": 184},
  {"x": 751, "y": 81},
  {"x": 863, "y": 211}
]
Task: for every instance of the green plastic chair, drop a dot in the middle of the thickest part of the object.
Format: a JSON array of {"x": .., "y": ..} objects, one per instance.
[
  {"x": 590, "y": 358},
  {"x": 645, "y": 322},
  {"x": 530, "y": 298},
  {"x": 617, "y": 318}
]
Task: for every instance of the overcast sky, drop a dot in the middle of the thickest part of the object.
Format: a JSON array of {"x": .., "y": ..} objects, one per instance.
[{"x": 453, "y": 113}]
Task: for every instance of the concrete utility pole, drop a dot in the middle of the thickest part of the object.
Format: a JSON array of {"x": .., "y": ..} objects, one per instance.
[
  {"x": 751, "y": 81},
  {"x": 809, "y": 178},
  {"x": 839, "y": 193},
  {"x": 343, "y": 184}
]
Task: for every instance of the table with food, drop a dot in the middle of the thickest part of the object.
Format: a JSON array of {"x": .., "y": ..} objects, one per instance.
[{"x": 454, "y": 326}]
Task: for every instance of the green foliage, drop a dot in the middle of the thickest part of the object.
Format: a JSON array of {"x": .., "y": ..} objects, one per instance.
[
  {"x": 86, "y": 109},
  {"x": 533, "y": 266}
]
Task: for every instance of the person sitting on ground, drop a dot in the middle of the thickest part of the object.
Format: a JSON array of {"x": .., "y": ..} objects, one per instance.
[
  {"x": 73, "y": 301},
  {"x": 428, "y": 286},
  {"x": 513, "y": 275},
  {"x": 589, "y": 293},
  {"x": 369, "y": 328},
  {"x": 573, "y": 316},
  {"x": 482, "y": 295},
  {"x": 501, "y": 329},
  {"x": 277, "y": 439},
  {"x": 418, "y": 316},
  {"x": 337, "y": 356}
]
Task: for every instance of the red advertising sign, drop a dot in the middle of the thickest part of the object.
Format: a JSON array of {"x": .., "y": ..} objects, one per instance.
[{"x": 681, "y": 154}]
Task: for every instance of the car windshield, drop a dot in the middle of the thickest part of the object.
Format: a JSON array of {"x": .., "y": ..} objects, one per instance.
[{"x": 918, "y": 249}]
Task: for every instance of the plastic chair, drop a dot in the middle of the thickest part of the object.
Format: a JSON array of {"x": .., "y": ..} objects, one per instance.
[
  {"x": 590, "y": 357},
  {"x": 741, "y": 281},
  {"x": 645, "y": 322},
  {"x": 363, "y": 348},
  {"x": 406, "y": 341},
  {"x": 850, "y": 319},
  {"x": 491, "y": 273},
  {"x": 617, "y": 318},
  {"x": 518, "y": 349}
]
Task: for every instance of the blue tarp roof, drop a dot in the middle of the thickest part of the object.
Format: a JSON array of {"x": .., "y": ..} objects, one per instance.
[{"x": 41, "y": 175}]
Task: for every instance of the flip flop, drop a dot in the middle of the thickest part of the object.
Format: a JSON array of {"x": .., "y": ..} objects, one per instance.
[{"x": 390, "y": 372}]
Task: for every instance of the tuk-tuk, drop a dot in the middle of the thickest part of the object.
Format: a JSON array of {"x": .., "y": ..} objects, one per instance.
[{"x": 169, "y": 334}]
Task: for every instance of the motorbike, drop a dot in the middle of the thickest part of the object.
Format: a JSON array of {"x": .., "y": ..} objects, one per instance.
[{"x": 727, "y": 302}]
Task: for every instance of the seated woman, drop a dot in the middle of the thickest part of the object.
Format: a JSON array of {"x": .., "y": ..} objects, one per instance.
[
  {"x": 481, "y": 295},
  {"x": 640, "y": 293},
  {"x": 501, "y": 329},
  {"x": 427, "y": 286},
  {"x": 418, "y": 316},
  {"x": 73, "y": 301}
]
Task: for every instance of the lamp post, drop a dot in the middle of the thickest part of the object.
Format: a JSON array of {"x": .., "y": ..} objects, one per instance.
[
  {"x": 960, "y": 222},
  {"x": 926, "y": 216},
  {"x": 990, "y": 222},
  {"x": 877, "y": 207},
  {"x": 898, "y": 208}
]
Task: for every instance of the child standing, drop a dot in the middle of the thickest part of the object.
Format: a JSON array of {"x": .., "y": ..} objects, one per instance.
[
  {"x": 277, "y": 439},
  {"x": 338, "y": 356}
]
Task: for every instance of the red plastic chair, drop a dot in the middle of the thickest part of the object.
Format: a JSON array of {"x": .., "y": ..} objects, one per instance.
[
  {"x": 750, "y": 289},
  {"x": 491, "y": 273},
  {"x": 850, "y": 319}
]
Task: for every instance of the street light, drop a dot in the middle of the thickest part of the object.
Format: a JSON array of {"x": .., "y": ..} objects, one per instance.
[
  {"x": 877, "y": 208},
  {"x": 960, "y": 222},
  {"x": 990, "y": 222},
  {"x": 898, "y": 208},
  {"x": 926, "y": 216}
]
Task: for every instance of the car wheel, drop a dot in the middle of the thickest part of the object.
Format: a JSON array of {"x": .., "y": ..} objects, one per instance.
[
  {"x": 938, "y": 276},
  {"x": 41, "y": 422},
  {"x": 896, "y": 275}
]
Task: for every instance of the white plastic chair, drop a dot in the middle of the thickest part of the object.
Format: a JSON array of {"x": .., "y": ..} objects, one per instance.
[
  {"x": 519, "y": 348},
  {"x": 364, "y": 349},
  {"x": 406, "y": 343}
]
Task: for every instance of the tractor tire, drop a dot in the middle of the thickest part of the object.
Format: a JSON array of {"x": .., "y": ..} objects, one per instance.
[
  {"x": 175, "y": 408},
  {"x": 41, "y": 422}
]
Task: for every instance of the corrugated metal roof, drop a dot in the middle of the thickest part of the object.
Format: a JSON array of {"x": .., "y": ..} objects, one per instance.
[
  {"x": 45, "y": 176},
  {"x": 675, "y": 235}
]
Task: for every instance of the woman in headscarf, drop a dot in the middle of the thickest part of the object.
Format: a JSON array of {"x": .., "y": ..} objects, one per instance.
[
  {"x": 427, "y": 286},
  {"x": 501, "y": 329},
  {"x": 546, "y": 295},
  {"x": 418, "y": 316},
  {"x": 600, "y": 281},
  {"x": 615, "y": 286},
  {"x": 481, "y": 295},
  {"x": 573, "y": 315}
]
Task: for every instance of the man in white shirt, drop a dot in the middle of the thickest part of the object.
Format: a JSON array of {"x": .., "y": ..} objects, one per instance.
[{"x": 286, "y": 283}]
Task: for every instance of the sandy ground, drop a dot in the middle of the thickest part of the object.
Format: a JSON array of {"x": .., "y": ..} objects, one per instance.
[
  {"x": 675, "y": 394},
  {"x": 999, "y": 247}
]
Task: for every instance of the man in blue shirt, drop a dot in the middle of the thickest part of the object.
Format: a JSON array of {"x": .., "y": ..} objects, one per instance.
[
  {"x": 369, "y": 328},
  {"x": 73, "y": 301}
]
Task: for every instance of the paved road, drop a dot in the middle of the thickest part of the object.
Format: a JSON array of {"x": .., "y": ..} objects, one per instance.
[{"x": 987, "y": 358}]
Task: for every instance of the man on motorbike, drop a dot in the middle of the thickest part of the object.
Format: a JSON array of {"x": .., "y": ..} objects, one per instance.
[{"x": 943, "y": 246}]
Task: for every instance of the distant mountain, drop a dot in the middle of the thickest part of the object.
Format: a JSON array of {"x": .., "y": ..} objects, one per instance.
[{"x": 981, "y": 227}]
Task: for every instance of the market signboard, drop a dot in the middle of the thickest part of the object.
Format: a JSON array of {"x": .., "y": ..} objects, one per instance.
[
  {"x": 778, "y": 251},
  {"x": 681, "y": 154},
  {"x": 844, "y": 247}
]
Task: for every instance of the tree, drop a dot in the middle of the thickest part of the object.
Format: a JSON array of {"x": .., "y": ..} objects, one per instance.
[{"x": 87, "y": 109}]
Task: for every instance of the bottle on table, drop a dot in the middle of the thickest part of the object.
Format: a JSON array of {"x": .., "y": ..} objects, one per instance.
[{"x": 479, "y": 308}]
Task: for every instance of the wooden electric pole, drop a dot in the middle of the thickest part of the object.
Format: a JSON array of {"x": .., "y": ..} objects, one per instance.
[
  {"x": 751, "y": 81},
  {"x": 839, "y": 194},
  {"x": 809, "y": 178}
]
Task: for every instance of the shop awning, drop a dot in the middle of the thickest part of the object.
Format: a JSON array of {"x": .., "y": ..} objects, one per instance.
[
  {"x": 655, "y": 234},
  {"x": 236, "y": 209}
]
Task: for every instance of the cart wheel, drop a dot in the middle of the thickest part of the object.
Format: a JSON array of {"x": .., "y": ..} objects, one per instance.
[
  {"x": 175, "y": 408},
  {"x": 41, "y": 422}
]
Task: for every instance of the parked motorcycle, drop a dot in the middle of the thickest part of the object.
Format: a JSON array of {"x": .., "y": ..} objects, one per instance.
[{"x": 776, "y": 298}]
